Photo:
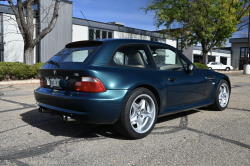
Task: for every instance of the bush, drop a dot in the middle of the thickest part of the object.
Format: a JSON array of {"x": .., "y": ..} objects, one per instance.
[
  {"x": 16, "y": 70},
  {"x": 201, "y": 66}
]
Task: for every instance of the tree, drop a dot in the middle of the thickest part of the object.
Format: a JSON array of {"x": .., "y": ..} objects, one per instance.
[
  {"x": 27, "y": 26},
  {"x": 208, "y": 22}
]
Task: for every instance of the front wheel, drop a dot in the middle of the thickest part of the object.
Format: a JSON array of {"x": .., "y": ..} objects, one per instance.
[
  {"x": 138, "y": 116},
  {"x": 222, "y": 96},
  {"x": 227, "y": 69}
]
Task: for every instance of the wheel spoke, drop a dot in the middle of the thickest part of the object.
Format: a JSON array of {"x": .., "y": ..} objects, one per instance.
[
  {"x": 223, "y": 101},
  {"x": 146, "y": 114},
  {"x": 133, "y": 123},
  {"x": 220, "y": 101},
  {"x": 134, "y": 118},
  {"x": 220, "y": 96},
  {"x": 221, "y": 89},
  {"x": 142, "y": 104},
  {"x": 224, "y": 90},
  {"x": 139, "y": 127},
  {"x": 140, "y": 121},
  {"x": 135, "y": 106}
]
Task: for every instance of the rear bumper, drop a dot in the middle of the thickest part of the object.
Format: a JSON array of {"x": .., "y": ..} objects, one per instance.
[{"x": 96, "y": 108}]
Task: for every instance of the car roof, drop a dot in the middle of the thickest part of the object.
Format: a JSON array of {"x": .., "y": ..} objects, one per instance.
[
  {"x": 131, "y": 40},
  {"x": 121, "y": 41}
]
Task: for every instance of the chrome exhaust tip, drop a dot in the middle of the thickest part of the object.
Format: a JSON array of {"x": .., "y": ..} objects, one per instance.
[
  {"x": 68, "y": 118},
  {"x": 44, "y": 110}
]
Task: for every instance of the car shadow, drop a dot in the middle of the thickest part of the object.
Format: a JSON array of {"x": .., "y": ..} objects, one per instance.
[{"x": 56, "y": 127}]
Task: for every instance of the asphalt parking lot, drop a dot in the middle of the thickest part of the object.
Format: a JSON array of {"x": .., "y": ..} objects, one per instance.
[{"x": 196, "y": 137}]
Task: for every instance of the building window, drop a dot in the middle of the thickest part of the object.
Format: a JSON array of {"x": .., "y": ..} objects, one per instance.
[
  {"x": 243, "y": 52},
  {"x": 104, "y": 34},
  {"x": 223, "y": 60},
  {"x": 110, "y": 35},
  {"x": 211, "y": 58},
  {"x": 91, "y": 34},
  {"x": 197, "y": 58},
  {"x": 99, "y": 34}
]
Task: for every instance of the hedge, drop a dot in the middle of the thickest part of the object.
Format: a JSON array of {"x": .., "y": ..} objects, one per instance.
[
  {"x": 201, "y": 66},
  {"x": 16, "y": 70}
]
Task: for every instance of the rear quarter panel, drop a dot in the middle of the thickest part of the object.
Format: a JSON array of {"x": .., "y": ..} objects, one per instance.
[{"x": 125, "y": 78}]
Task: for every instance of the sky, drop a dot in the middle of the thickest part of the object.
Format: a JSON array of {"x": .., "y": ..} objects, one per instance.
[{"x": 125, "y": 11}]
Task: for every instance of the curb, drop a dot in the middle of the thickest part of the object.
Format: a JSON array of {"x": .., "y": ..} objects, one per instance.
[
  {"x": 239, "y": 71},
  {"x": 19, "y": 82}
]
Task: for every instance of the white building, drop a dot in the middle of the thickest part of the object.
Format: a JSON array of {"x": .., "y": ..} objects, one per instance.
[{"x": 217, "y": 55}]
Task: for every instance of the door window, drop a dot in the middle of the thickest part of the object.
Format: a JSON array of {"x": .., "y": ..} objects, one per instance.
[{"x": 167, "y": 59}]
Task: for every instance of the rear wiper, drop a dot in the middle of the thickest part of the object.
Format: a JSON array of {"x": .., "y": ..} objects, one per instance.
[{"x": 54, "y": 63}]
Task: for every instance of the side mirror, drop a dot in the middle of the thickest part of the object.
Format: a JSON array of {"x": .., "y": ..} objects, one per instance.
[{"x": 191, "y": 67}]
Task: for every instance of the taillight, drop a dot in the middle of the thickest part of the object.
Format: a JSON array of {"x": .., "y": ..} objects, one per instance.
[
  {"x": 89, "y": 84},
  {"x": 41, "y": 81}
]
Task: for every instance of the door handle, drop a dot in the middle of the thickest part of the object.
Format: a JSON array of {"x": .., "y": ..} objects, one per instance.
[{"x": 171, "y": 79}]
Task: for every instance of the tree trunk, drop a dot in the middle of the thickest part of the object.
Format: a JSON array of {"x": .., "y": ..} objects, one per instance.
[
  {"x": 205, "y": 58},
  {"x": 28, "y": 56}
]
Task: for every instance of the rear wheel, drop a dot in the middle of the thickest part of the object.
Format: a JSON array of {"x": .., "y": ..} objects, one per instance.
[
  {"x": 138, "y": 116},
  {"x": 222, "y": 96}
]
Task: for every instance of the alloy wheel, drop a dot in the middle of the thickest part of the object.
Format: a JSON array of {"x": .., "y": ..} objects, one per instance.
[
  {"x": 223, "y": 95},
  {"x": 142, "y": 113}
]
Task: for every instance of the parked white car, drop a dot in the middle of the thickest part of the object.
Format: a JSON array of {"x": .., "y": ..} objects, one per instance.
[{"x": 219, "y": 66}]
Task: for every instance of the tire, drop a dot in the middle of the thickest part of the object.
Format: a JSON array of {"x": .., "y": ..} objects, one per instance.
[
  {"x": 210, "y": 68},
  {"x": 222, "y": 96},
  {"x": 227, "y": 69},
  {"x": 138, "y": 115}
]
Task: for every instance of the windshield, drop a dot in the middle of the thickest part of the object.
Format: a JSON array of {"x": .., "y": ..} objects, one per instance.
[{"x": 70, "y": 57}]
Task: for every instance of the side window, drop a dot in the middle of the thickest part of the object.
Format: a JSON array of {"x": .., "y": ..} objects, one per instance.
[
  {"x": 167, "y": 59},
  {"x": 132, "y": 56}
]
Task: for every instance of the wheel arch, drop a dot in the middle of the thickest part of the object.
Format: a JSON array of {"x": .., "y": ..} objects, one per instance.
[{"x": 154, "y": 91}]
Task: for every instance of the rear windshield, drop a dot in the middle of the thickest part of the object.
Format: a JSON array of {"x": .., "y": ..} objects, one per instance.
[{"x": 71, "y": 57}]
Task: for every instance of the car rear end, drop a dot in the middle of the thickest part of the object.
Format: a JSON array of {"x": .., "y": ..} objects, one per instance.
[{"x": 70, "y": 88}]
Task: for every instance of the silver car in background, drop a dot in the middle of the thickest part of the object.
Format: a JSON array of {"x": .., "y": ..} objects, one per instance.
[{"x": 219, "y": 66}]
